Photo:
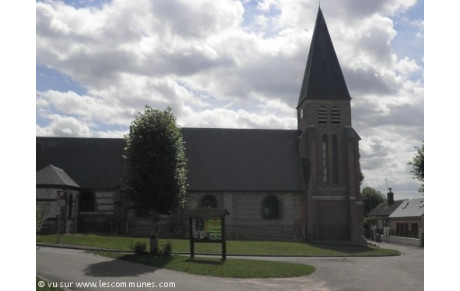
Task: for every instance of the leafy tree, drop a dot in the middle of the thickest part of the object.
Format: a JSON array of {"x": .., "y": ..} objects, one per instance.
[
  {"x": 371, "y": 198},
  {"x": 155, "y": 165},
  {"x": 40, "y": 220},
  {"x": 418, "y": 166}
]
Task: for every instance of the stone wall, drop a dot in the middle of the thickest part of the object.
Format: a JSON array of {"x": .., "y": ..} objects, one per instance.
[
  {"x": 46, "y": 201},
  {"x": 246, "y": 220}
]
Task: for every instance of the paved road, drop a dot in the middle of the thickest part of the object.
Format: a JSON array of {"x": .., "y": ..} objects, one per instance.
[{"x": 403, "y": 272}]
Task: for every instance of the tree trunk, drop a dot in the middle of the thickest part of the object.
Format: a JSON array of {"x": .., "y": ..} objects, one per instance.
[{"x": 154, "y": 236}]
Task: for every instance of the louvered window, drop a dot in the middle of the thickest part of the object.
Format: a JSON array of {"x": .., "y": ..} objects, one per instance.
[
  {"x": 335, "y": 115},
  {"x": 322, "y": 114}
]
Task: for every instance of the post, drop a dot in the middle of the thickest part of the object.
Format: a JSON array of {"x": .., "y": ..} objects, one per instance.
[
  {"x": 224, "y": 246},
  {"x": 59, "y": 221},
  {"x": 192, "y": 247}
]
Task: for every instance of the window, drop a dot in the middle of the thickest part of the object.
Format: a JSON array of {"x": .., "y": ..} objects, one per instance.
[
  {"x": 335, "y": 115},
  {"x": 335, "y": 160},
  {"x": 325, "y": 160},
  {"x": 70, "y": 205},
  {"x": 270, "y": 208},
  {"x": 322, "y": 115},
  {"x": 302, "y": 113},
  {"x": 86, "y": 201},
  {"x": 209, "y": 201}
]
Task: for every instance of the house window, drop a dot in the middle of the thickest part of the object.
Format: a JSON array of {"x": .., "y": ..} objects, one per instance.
[
  {"x": 87, "y": 201},
  {"x": 270, "y": 207},
  {"x": 70, "y": 205},
  {"x": 335, "y": 160},
  {"x": 325, "y": 160},
  {"x": 335, "y": 115},
  {"x": 322, "y": 115},
  {"x": 209, "y": 201}
]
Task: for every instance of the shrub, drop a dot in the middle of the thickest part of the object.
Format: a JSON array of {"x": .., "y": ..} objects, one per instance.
[
  {"x": 166, "y": 251},
  {"x": 139, "y": 248}
]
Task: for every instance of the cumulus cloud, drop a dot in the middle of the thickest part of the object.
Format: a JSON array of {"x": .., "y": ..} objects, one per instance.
[{"x": 228, "y": 63}]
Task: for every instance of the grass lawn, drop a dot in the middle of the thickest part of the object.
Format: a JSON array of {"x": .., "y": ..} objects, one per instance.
[
  {"x": 234, "y": 247},
  {"x": 233, "y": 268}
]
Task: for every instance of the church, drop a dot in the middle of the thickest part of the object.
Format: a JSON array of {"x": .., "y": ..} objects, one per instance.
[{"x": 288, "y": 185}]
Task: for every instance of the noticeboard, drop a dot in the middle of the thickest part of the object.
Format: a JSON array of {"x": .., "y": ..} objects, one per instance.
[
  {"x": 206, "y": 225},
  {"x": 207, "y": 229}
]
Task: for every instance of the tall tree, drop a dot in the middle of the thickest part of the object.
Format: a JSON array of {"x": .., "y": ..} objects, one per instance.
[
  {"x": 155, "y": 166},
  {"x": 371, "y": 198},
  {"x": 417, "y": 164}
]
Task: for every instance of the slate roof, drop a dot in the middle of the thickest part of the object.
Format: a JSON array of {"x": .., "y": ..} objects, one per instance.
[
  {"x": 91, "y": 162},
  {"x": 218, "y": 159},
  {"x": 410, "y": 208},
  {"x": 51, "y": 175},
  {"x": 323, "y": 78},
  {"x": 383, "y": 209}
]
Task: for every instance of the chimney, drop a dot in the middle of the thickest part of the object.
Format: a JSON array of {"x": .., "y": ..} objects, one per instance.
[{"x": 390, "y": 197}]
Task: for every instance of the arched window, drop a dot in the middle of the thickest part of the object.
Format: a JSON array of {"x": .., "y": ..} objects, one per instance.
[
  {"x": 325, "y": 160},
  {"x": 87, "y": 201},
  {"x": 335, "y": 115},
  {"x": 209, "y": 201},
  {"x": 322, "y": 114},
  {"x": 270, "y": 208},
  {"x": 335, "y": 160}
]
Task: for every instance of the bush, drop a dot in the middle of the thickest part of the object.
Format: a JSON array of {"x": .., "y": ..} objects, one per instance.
[
  {"x": 139, "y": 248},
  {"x": 166, "y": 251},
  {"x": 39, "y": 221}
]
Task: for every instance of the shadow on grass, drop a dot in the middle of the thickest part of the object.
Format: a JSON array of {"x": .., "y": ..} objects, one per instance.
[
  {"x": 352, "y": 249},
  {"x": 126, "y": 265},
  {"x": 203, "y": 261}
]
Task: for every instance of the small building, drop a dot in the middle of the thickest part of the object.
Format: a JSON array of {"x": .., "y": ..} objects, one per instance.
[
  {"x": 50, "y": 182},
  {"x": 408, "y": 219},
  {"x": 382, "y": 211}
]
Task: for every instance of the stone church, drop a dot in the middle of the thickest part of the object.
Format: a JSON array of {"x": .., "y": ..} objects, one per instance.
[{"x": 299, "y": 184}]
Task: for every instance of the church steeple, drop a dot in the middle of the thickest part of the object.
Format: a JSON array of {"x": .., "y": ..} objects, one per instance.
[{"x": 323, "y": 78}]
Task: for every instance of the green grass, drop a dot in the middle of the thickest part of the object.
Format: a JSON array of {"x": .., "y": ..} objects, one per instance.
[
  {"x": 232, "y": 268},
  {"x": 234, "y": 247},
  {"x": 45, "y": 287}
]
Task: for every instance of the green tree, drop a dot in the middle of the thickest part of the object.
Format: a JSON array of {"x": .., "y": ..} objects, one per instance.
[
  {"x": 40, "y": 220},
  {"x": 417, "y": 165},
  {"x": 155, "y": 166},
  {"x": 371, "y": 198}
]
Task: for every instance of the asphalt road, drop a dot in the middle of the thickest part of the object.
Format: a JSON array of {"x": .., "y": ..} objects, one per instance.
[{"x": 71, "y": 267}]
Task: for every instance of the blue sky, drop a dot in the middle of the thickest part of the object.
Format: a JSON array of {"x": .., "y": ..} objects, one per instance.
[{"x": 236, "y": 64}]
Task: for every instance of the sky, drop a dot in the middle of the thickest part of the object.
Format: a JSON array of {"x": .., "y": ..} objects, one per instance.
[{"x": 232, "y": 64}]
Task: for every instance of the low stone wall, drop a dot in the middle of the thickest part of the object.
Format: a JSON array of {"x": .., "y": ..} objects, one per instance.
[{"x": 404, "y": 240}]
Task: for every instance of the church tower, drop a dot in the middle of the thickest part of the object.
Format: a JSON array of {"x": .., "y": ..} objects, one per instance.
[{"x": 328, "y": 145}]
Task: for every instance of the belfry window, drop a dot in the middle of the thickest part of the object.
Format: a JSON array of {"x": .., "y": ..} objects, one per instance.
[
  {"x": 322, "y": 114},
  {"x": 209, "y": 201},
  {"x": 270, "y": 207},
  {"x": 335, "y": 115},
  {"x": 325, "y": 160}
]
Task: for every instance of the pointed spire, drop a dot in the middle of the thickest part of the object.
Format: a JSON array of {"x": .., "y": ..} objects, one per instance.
[{"x": 323, "y": 78}]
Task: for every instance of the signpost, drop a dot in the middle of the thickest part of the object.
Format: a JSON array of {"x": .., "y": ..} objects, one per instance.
[
  {"x": 60, "y": 202},
  {"x": 207, "y": 226}
]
